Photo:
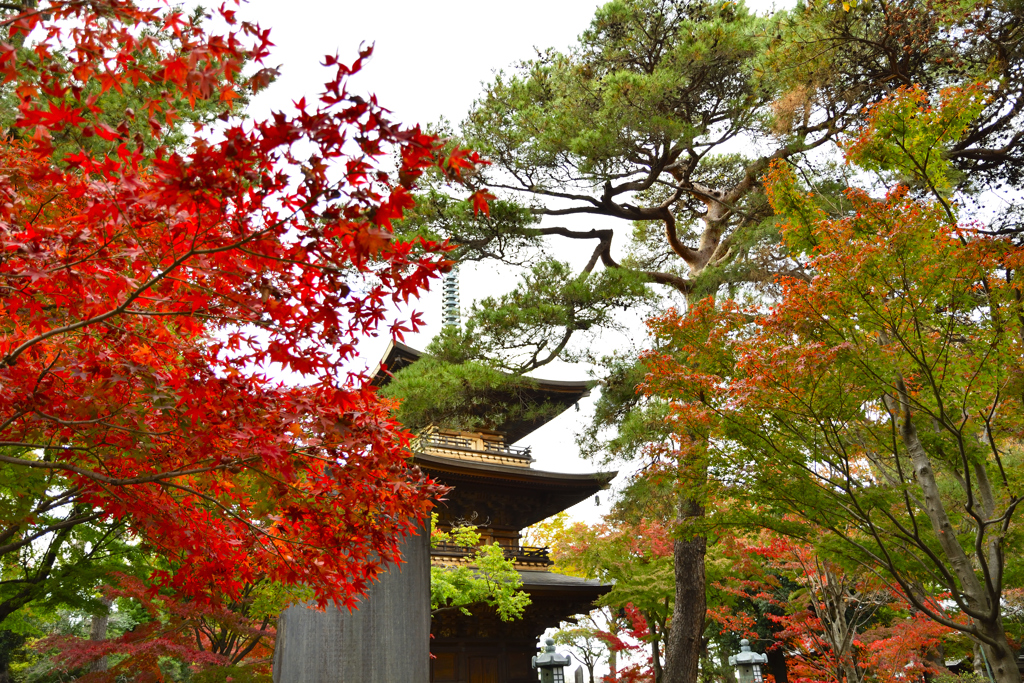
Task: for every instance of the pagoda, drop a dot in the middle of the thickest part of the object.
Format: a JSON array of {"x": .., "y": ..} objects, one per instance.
[{"x": 495, "y": 487}]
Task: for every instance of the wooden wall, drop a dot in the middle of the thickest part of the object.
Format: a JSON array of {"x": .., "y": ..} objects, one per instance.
[{"x": 387, "y": 640}]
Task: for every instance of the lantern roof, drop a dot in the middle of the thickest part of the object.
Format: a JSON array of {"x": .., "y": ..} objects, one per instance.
[
  {"x": 745, "y": 656},
  {"x": 549, "y": 658}
]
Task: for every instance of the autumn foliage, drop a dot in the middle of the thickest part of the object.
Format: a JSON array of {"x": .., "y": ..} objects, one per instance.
[
  {"x": 833, "y": 624},
  {"x": 872, "y": 411},
  {"x": 150, "y": 294},
  {"x": 203, "y": 635}
]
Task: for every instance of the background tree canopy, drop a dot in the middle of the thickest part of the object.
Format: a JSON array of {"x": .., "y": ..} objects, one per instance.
[{"x": 665, "y": 118}]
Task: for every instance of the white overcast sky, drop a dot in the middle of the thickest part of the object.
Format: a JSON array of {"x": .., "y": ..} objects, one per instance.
[
  {"x": 430, "y": 56},
  {"x": 430, "y": 60}
]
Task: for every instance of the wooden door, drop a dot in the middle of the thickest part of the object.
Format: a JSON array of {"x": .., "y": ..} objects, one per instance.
[
  {"x": 443, "y": 667},
  {"x": 483, "y": 670}
]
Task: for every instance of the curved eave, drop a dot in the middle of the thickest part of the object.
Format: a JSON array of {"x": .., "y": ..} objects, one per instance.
[
  {"x": 511, "y": 497},
  {"x": 544, "y": 581},
  {"x": 591, "y": 482},
  {"x": 563, "y": 392},
  {"x": 397, "y": 356}
]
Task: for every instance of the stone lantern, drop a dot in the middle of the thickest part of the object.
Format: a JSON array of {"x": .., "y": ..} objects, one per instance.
[
  {"x": 748, "y": 664},
  {"x": 550, "y": 664}
]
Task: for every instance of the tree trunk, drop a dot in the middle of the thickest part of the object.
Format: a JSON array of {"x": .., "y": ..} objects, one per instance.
[
  {"x": 989, "y": 626},
  {"x": 978, "y": 661},
  {"x": 10, "y": 642},
  {"x": 659, "y": 674},
  {"x": 613, "y": 655},
  {"x": 777, "y": 664},
  {"x": 1002, "y": 660},
  {"x": 98, "y": 631},
  {"x": 685, "y": 639},
  {"x": 684, "y": 643},
  {"x": 851, "y": 671}
]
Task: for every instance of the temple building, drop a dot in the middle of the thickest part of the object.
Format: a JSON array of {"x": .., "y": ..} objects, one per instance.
[{"x": 495, "y": 487}]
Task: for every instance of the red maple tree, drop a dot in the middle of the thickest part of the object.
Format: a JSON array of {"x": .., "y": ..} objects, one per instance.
[
  {"x": 227, "y": 636},
  {"x": 149, "y": 293},
  {"x": 837, "y": 625}
]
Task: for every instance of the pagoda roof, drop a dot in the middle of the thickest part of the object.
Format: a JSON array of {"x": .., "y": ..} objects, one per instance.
[
  {"x": 553, "y": 598},
  {"x": 535, "y": 581},
  {"x": 560, "y": 392},
  {"x": 511, "y": 496},
  {"x": 512, "y": 474},
  {"x": 397, "y": 356}
]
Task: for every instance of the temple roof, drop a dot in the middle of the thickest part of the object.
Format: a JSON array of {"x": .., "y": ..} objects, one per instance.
[
  {"x": 535, "y": 581},
  {"x": 513, "y": 475},
  {"x": 395, "y": 358},
  {"x": 509, "y": 496},
  {"x": 560, "y": 392}
]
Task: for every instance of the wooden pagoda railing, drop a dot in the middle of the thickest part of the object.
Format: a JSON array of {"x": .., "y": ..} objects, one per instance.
[
  {"x": 519, "y": 554},
  {"x": 431, "y": 439}
]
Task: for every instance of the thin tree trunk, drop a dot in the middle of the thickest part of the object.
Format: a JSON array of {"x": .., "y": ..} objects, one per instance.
[
  {"x": 728, "y": 672},
  {"x": 655, "y": 651},
  {"x": 613, "y": 655},
  {"x": 979, "y": 662},
  {"x": 98, "y": 631},
  {"x": 989, "y": 625}
]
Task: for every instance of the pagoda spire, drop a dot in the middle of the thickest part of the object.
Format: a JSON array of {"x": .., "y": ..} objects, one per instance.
[{"x": 451, "y": 314}]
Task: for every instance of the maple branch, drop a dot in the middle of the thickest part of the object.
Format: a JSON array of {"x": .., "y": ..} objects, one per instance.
[
  {"x": 43, "y": 507},
  {"x": 70, "y": 423},
  {"x": 828, "y": 486},
  {"x": 12, "y": 419},
  {"x": 48, "y": 529},
  {"x": 887, "y": 561},
  {"x": 238, "y": 517},
  {"x": 922, "y": 169},
  {"x": 272, "y": 546},
  {"x": 24, "y": 14},
  {"x": 104, "y": 479},
  {"x": 240, "y": 655},
  {"x": 42, "y": 571},
  {"x": 319, "y": 267},
  {"x": 990, "y": 438},
  {"x": 12, "y": 357}
]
